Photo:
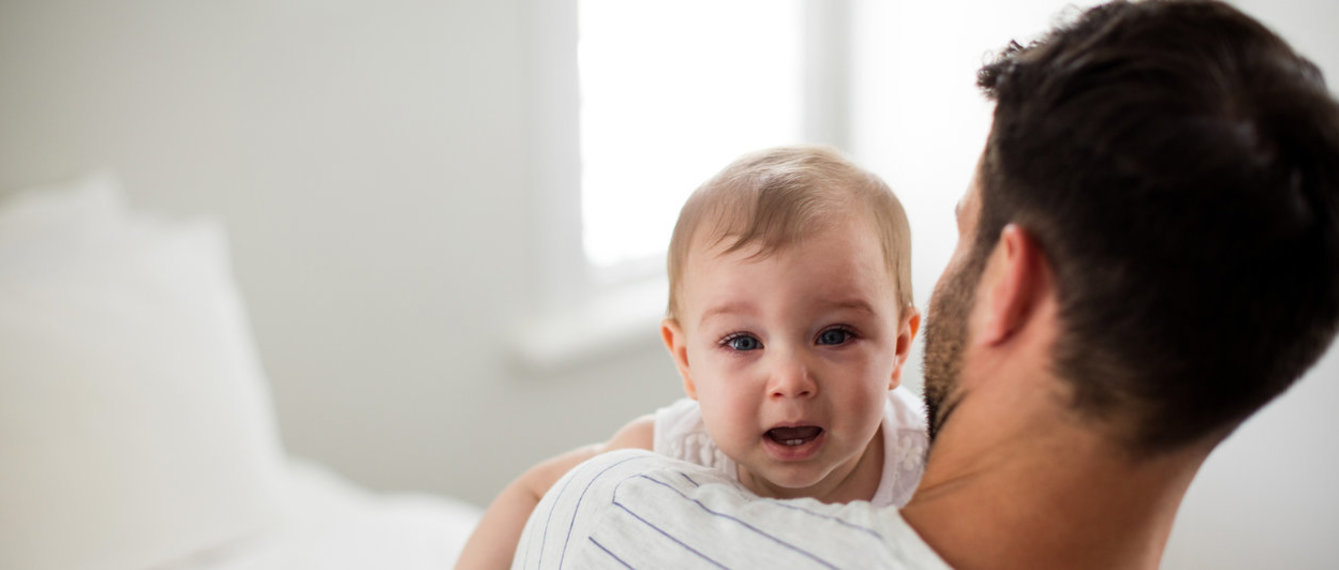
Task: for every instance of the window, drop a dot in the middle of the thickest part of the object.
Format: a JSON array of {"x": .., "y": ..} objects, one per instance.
[
  {"x": 637, "y": 103},
  {"x": 670, "y": 93}
]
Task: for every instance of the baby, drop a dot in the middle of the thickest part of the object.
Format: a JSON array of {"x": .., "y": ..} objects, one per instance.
[{"x": 790, "y": 317}]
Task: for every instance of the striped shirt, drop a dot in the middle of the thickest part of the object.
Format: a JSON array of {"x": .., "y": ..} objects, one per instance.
[{"x": 636, "y": 509}]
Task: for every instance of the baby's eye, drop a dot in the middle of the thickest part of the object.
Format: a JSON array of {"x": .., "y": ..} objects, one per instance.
[
  {"x": 743, "y": 342},
  {"x": 834, "y": 336}
]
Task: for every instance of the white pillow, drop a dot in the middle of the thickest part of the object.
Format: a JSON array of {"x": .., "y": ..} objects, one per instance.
[
  {"x": 135, "y": 424},
  {"x": 53, "y": 216}
]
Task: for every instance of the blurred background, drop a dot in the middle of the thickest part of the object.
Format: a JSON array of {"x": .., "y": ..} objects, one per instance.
[{"x": 447, "y": 218}]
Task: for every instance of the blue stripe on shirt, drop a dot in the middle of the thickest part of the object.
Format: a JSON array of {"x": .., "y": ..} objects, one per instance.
[
  {"x": 611, "y": 554},
  {"x": 576, "y": 509},
  {"x": 756, "y": 530},
  {"x": 667, "y": 535},
  {"x": 837, "y": 520}
]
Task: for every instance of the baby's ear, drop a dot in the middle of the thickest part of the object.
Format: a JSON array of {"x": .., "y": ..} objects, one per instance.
[
  {"x": 906, "y": 334},
  {"x": 677, "y": 344}
]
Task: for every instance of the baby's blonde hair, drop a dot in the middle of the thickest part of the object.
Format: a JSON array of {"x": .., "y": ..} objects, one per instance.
[{"x": 776, "y": 196}]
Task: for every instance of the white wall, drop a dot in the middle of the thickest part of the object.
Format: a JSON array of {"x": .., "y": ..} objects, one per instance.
[{"x": 373, "y": 163}]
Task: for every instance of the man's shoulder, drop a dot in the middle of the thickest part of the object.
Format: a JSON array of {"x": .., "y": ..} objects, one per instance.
[{"x": 637, "y": 509}]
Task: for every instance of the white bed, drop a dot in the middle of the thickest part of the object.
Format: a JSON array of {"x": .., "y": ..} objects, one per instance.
[
  {"x": 329, "y": 523},
  {"x": 136, "y": 428}
]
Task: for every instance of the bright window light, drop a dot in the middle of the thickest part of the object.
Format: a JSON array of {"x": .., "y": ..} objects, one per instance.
[{"x": 672, "y": 91}]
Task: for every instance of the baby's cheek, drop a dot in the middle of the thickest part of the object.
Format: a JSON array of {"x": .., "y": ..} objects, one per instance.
[
  {"x": 868, "y": 406},
  {"x": 728, "y": 422}
]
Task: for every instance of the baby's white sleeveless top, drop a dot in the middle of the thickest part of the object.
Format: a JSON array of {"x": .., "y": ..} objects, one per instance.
[{"x": 680, "y": 433}]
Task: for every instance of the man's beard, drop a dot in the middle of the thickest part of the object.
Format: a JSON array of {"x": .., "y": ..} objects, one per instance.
[{"x": 946, "y": 341}]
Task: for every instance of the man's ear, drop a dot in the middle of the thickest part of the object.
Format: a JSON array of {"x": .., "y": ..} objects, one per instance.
[
  {"x": 677, "y": 344},
  {"x": 906, "y": 333},
  {"x": 1014, "y": 282}
]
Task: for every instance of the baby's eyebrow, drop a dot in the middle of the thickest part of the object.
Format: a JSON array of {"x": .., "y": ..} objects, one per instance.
[
  {"x": 725, "y": 309},
  {"x": 856, "y": 304}
]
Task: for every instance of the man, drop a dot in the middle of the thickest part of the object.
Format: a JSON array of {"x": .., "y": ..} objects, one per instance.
[{"x": 1149, "y": 253}]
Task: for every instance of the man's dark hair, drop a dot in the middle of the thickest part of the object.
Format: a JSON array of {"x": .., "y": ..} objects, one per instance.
[{"x": 1179, "y": 165}]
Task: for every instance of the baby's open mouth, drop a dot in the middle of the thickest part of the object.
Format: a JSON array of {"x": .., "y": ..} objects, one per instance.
[{"x": 793, "y": 436}]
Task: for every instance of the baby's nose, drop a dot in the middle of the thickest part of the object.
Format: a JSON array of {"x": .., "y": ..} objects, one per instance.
[{"x": 793, "y": 378}]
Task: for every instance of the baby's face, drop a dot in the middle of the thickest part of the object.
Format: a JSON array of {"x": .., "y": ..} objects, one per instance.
[{"x": 791, "y": 355}]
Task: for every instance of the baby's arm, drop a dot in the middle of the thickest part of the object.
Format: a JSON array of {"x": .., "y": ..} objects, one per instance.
[{"x": 494, "y": 541}]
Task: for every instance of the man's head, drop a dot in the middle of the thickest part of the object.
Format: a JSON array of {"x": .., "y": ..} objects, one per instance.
[{"x": 1178, "y": 166}]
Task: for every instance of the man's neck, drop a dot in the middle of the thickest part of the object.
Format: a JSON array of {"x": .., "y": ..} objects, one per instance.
[{"x": 1044, "y": 495}]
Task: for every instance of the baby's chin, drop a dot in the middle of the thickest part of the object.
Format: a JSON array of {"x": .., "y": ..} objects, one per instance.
[
  {"x": 825, "y": 476},
  {"x": 787, "y": 481}
]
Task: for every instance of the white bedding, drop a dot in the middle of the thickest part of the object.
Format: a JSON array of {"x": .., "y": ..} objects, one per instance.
[
  {"x": 136, "y": 429},
  {"x": 331, "y": 524}
]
